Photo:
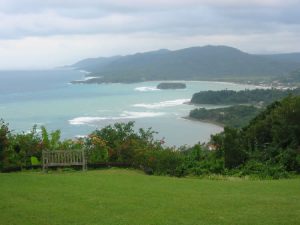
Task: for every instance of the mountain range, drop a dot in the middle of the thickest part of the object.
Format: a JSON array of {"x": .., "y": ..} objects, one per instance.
[{"x": 195, "y": 63}]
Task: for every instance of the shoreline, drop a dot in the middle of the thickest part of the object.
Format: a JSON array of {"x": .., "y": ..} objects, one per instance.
[
  {"x": 257, "y": 84},
  {"x": 217, "y": 106},
  {"x": 204, "y": 121},
  {"x": 98, "y": 80}
]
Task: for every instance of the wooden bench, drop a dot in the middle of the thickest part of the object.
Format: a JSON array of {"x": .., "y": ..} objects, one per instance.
[{"x": 64, "y": 158}]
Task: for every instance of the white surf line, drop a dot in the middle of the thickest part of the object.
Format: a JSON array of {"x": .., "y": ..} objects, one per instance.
[
  {"x": 163, "y": 104},
  {"x": 124, "y": 115}
]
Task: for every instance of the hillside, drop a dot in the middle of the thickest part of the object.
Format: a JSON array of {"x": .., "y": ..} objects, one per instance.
[
  {"x": 233, "y": 116},
  {"x": 196, "y": 63},
  {"x": 271, "y": 139},
  {"x": 245, "y": 105},
  {"x": 229, "y": 97},
  {"x": 285, "y": 57}
]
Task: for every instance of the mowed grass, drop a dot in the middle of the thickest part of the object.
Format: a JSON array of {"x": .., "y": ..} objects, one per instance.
[{"x": 118, "y": 197}]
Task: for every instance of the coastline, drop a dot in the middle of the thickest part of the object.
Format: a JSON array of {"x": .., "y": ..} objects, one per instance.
[
  {"x": 204, "y": 121},
  {"x": 203, "y": 105},
  {"x": 99, "y": 80}
]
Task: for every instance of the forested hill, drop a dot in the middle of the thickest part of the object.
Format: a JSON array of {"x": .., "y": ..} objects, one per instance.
[
  {"x": 245, "y": 104},
  {"x": 257, "y": 96},
  {"x": 270, "y": 140},
  {"x": 196, "y": 63}
]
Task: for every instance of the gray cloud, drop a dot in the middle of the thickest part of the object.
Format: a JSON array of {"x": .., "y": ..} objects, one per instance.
[
  {"x": 250, "y": 25},
  {"x": 46, "y": 18}
]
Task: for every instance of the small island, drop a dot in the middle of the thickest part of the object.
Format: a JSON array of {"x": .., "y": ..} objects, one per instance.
[{"x": 171, "y": 85}]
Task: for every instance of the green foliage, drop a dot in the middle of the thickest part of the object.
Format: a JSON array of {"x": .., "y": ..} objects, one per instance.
[
  {"x": 120, "y": 143},
  {"x": 55, "y": 139},
  {"x": 263, "y": 170},
  {"x": 257, "y": 96},
  {"x": 233, "y": 116},
  {"x": 277, "y": 126},
  {"x": 4, "y": 142},
  {"x": 233, "y": 154},
  {"x": 34, "y": 161},
  {"x": 164, "y": 162},
  {"x": 201, "y": 161},
  {"x": 97, "y": 149},
  {"x": 21, "y": 147},
  {"x": 52, "y": 142},
  {"x": 272, "y": 138},
  {"x": 45, "y": 137}
]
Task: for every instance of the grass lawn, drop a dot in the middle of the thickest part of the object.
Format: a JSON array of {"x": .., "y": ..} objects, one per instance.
[{"x": 118, "y": 197}]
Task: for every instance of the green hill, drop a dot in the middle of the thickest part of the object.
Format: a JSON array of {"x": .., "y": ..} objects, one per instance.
[
  {"x": 229, "y": 97},
  {"x": 195, "y": 63},
  {"x": 233, "y": 116},
  {"x": 271, "y": 138}
]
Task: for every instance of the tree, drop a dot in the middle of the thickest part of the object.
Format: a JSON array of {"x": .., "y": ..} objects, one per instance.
[
  {"x": 4, "y": 132},
  {"x": 233, "y": 153}
]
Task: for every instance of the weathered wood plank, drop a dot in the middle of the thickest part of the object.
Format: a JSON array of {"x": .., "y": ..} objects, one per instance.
[{"x": 64, "y": 158}]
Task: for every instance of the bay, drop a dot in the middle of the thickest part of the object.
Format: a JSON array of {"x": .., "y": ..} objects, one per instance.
[{"x": 47, "y": 98}]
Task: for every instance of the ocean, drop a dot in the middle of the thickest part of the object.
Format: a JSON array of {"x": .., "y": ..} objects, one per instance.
[{"x": 47, "y": 98}]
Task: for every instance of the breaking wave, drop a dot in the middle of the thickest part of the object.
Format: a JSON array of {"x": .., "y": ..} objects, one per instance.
[
  {"x": 144, "y": 89},
  {"x": 124, "y": 115},
  {"x": 84, "y": 71},
  {"x": 163, "y": 104}
]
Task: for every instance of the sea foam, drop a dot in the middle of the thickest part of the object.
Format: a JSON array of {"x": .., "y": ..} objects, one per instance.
[
  {"x": 124, "y": 115},
  {"x": 84, "y": 71},
  {"x": 145, "y": 89},
  {"x": 162, "y": 104},
  {"x": 89, "y": 78}
]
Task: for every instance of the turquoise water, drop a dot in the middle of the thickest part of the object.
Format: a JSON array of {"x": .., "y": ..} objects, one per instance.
[{"x": 47, "y": 98}]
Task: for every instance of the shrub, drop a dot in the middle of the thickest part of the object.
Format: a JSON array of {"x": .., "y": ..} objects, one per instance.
[{"x": 263, "y": 170}]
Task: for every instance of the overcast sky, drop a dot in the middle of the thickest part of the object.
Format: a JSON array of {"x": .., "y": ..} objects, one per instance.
[{"x": 49, "y": 33}]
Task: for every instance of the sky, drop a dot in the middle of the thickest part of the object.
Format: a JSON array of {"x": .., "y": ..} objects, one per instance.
[{"x": 41, "y": 34}]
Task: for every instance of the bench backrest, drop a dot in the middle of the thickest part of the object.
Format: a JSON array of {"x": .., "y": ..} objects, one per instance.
[{"x": 64, "y": 158}]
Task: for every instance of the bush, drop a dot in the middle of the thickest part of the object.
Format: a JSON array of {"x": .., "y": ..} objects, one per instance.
[
  {"x": 263, "y": 170},
  {"x": 201, "y": 161},
  {"x": 120, "y": 144},
  {"x": 163, "y": 162}
]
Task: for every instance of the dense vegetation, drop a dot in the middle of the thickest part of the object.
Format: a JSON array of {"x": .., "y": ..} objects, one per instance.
[
  {"x": 196, "y": 63},
  {"x": 122, "y": 197},
  {"x": 257, "y": 96},
  {"x": 237, "y": 115},
  {"x": 269, "y": 143},
  {"x": 269, "y": 146},
  {"x": 172, "y": 85},
  {"x": 233, "y": 116}
]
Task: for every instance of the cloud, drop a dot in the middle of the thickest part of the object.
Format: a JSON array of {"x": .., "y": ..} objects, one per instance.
[
  {"x": 70, "y": 29},
  {"x": 38, "y": 5},
  {"x": 180, "y": 21}
]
